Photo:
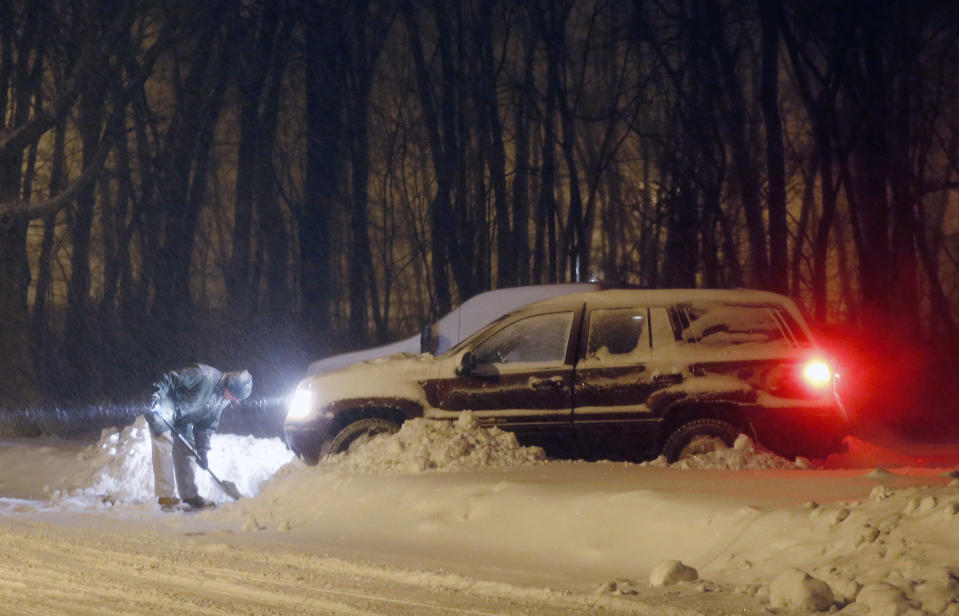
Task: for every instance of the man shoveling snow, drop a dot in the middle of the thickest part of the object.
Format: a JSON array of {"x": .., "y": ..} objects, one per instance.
[{"x": 184, "y": 413}]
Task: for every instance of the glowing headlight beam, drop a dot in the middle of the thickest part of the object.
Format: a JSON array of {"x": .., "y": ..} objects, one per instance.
[{"x": 301, "y": 404}]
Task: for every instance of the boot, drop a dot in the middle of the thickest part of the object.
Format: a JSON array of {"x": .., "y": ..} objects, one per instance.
[
  {"x": 198, "y": 502},
  {"x": 167, "y": 503}
]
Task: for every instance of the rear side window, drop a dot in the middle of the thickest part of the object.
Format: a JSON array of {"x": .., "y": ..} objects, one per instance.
[
  {"x": 723, "y": 325},
  {"x": 617, "y": 333}
]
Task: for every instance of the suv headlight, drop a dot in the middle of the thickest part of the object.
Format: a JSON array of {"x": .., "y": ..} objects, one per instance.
[{"x": 301, "y": 404}]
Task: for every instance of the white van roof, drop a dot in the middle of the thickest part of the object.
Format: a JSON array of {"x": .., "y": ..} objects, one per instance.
[{"x": 461, "y": 322}]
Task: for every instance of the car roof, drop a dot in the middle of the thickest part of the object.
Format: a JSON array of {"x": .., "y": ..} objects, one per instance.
[{"x": 614, "y": 298}]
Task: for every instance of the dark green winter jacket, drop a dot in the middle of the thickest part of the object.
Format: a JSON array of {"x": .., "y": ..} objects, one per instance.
[{"x": 191, "y": 400}]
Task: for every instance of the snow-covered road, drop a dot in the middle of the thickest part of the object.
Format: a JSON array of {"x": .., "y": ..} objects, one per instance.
[
  {"x": 453, "y": 519},
  {"x": 54, "y": 569}
]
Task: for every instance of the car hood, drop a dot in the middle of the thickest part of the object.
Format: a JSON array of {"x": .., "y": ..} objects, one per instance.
[{"x": 397, "y": 375}]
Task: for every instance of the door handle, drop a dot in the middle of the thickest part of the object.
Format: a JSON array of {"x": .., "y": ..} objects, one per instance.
[
  {"x": 553, "y": 382},
  {"x": 672, "y": 378}
]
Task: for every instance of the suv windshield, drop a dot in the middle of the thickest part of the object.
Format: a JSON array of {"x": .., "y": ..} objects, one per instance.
[{"x": 474, "y": 336}]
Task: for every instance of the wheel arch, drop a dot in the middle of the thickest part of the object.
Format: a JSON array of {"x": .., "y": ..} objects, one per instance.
[
  {"x": 382, "y": 411},
  {"x": 681, "y": 412},
  {"x": 395, "y": 409}
]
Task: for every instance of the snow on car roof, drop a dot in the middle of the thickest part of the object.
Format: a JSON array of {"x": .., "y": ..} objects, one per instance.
[{"x": 662, "y": 297}]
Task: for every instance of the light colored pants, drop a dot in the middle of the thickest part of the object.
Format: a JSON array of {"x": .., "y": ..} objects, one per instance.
[{"x": 172, "y": 467}]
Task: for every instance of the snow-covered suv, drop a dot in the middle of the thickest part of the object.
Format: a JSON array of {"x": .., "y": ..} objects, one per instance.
[{"x": 625, "y": 374}]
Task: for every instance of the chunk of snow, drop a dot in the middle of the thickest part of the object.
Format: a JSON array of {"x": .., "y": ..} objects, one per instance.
[
  {"x": 619, "y": 586},
  {"x": 744, "y": 455},
  {"x": 797, "y": 589},
  {"x": 883, "y": 598},
  {"x": 672, "y": 572}
]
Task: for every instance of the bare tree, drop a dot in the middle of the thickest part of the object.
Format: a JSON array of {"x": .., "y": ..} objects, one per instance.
[
  {"x": 440, "y": 118},
  {"x": 770, "y": 16},
  {"x": 24, "y": 125},
  {"x": 370, "y": 24}
]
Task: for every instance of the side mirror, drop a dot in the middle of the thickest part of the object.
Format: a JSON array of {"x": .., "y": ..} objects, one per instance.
[{"x": 467, "y": 364}]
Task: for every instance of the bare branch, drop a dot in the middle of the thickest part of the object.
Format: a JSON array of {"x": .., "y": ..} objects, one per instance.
[{"x": 16, "y": 211}]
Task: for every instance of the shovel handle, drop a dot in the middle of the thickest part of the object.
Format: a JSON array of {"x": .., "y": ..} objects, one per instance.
[{"x": 228, "y": 487}]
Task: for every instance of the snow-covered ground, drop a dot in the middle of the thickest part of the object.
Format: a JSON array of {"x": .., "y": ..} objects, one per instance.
[{"x": 455, "y": 519}]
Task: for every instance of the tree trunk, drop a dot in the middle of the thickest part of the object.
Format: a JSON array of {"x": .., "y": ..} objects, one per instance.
[
  {"x": 747, "y": 172},
  {"x": 40, "y": 327},
  {"x": 544, "y": 262},
  {"x": 770, "y": 13},
  {"x": 252, "y": 77},
  {"x": 77, "y": 337},
  {"x": 40, "y": 319},
  {"x": 521, "y": 207},
  {"x": 17, "y": 380},
  {"x": 274, "y": 235},
  {"x": 551, "y": 21},
  {"x": 875, "y": 258},
  {"x": 807, "y": 208},
  {"x": 444, "y": 146},
  {"x": 827, "y": 217},
  {"x": 125, "y": 282},
  {"x": 367, "y": 42},
  {"x": 199, "y": 104},
  {"x": 506, "y": 253},
  {"x": 325, "y": 90}
]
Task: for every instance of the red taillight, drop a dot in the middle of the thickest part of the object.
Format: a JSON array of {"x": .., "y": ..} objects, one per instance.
[{"x": 817, "y": 373}]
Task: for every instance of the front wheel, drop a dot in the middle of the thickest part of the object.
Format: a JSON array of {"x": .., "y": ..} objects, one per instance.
[
  {"x": 361, "y": 431},
  {"x": 698, "y": 437}
]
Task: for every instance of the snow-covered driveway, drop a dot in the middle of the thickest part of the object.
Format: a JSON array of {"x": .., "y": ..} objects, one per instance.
[{"x": 453, "y": 519}]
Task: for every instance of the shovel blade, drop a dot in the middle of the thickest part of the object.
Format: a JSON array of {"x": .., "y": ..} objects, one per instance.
[{"x": 231, "y": 490}]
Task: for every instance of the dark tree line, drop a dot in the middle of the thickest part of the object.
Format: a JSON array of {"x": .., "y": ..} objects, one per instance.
[{"x": 269, "y": 181}]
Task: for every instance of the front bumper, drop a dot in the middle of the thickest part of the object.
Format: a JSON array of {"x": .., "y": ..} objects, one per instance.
[{"x": 307, "y": 438}]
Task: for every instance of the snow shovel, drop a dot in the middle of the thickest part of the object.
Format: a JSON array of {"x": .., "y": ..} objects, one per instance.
[{"x": 229, "y": 488}]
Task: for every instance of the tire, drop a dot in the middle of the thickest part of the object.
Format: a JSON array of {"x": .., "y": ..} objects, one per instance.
[
  {"x": 697, "y": 437},
  {"x": 360, "y": 431}
]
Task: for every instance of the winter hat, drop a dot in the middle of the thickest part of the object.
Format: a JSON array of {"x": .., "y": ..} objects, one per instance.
[{"x": 240, "y": 384}]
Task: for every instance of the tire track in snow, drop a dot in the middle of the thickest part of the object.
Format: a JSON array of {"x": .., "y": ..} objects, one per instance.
[{"x": 48, "y": 570}]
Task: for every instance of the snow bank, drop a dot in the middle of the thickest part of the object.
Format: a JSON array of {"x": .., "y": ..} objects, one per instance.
[
  {"x": 430, "y": 445},
  {"x": 743, "y": 455},
  {"x": 893, "y": 553},
  {"x": 118, "y": 469},
  {"x": 856, "y": 542}
]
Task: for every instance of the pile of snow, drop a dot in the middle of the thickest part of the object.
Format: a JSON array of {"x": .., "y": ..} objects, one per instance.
[
  {"x": 672, "y": 572},
  {"x": 430, "y": 445},
  {"x": 743, "y": 455},
  {"x": 118, "y": 469},
  {"x": 890, "y": 554},
  {"x": 799, "y": 590},
  {"x": 893, "y": 553}
]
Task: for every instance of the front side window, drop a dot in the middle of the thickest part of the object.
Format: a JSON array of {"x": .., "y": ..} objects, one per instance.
[
  {"x": 541, "y": 338},
  {"x": 617, "y": 333},
  {"x": 727, "y": 325}
]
